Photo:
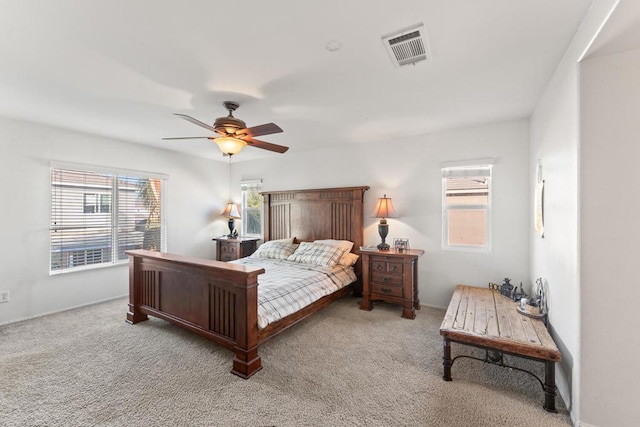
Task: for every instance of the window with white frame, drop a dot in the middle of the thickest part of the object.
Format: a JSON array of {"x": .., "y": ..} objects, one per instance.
[
  {"x": 466, "y": 208},
  {"x": 252, "y": 207},
  {"x": 97, "y": 215}
]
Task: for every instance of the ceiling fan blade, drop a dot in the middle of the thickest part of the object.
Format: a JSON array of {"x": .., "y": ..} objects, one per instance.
[
  {"x": 195, "y": 121},
  {"x": 266, "y": 145},
  {"x": 189, "y": 137},
  {"x": 265, "y": 129}
]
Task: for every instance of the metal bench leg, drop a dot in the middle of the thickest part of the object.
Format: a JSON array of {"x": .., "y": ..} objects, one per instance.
[
  {"x": 446, "y": 360},
  {"x": 549, "y": 386}
]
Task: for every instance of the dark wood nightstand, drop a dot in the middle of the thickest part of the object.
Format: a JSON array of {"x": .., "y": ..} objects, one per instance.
[
  {"x": 391, "y": 276},
  {"x": 231, "y": 248}
]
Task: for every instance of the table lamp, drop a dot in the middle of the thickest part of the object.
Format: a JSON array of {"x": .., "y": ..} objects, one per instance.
[
  {"x": 383, "y": 210},
  {"x": 231, "y": 212}
]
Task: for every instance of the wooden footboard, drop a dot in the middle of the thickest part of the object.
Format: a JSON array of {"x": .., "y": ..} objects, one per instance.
[
  {"x": 214, "y": 299},
  {"x": 220, "y": 301}
]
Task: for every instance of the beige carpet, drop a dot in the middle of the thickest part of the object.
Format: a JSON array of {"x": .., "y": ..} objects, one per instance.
[{"x": 342, "y": 367}]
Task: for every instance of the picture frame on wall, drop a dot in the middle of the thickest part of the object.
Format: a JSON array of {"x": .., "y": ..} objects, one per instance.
[
  {"x": 538, "y": 202},
  {"x": 539, "y": 209}
]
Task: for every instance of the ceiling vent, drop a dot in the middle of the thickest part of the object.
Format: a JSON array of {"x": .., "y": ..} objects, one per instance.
[{"x": 407, "y": 46}]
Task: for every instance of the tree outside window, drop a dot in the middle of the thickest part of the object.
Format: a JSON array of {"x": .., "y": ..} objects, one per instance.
[
  {"x": 148, "y": 193},
  {"x": 252, "y": 208}
]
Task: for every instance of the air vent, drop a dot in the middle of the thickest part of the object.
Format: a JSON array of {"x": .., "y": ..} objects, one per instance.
[{"x": 407, "y": 46}]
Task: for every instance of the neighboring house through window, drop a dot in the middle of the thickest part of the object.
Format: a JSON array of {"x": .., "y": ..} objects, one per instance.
[
  {"x": 252, "y": 207},
  {"x": 466, "y": 208},
  {"x": 97, "y": 215},
  {"x": 97, "y": 203}
]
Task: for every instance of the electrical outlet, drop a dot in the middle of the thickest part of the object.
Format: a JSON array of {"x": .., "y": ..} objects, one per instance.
[{"x": 4, "y": 296}]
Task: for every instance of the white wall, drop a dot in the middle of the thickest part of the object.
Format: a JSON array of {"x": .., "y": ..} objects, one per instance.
[
  {"x": 610, "y": 239},
  {"x": 197, "y": 191},
  {"x": 409, "y": 173},
  {"x": 555, "y": 142}
]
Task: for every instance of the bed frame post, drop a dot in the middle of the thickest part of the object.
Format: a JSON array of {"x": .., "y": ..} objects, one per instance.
[
  {"x": 247, "y": 361},
  {"x": 266, "y": 203},
  {"x": 134, "y": 315}
]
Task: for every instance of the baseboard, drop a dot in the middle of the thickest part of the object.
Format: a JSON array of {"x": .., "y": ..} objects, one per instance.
[
  {"x": 24, "y": 319},
  {"x": 564, "y": 392},
  {"x": 433, "y": 306}
]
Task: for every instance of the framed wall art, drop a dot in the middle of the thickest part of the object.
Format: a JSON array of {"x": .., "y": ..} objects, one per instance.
[{"x": 538, "y": 214}]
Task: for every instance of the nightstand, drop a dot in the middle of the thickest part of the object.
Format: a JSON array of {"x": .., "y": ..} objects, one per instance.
[
  {"x": 391, "y": 276},
  {"x": 231, "y": 248}
]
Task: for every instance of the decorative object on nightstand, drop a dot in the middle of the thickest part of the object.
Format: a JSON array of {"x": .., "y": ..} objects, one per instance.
[
  {"x": 401, "y": 245},
  {"x": 384, "y": 209},
  {"x": 232, "y": 248},
  {"x": 231, "y": 212},
  {"x": 391, "y": 276}
]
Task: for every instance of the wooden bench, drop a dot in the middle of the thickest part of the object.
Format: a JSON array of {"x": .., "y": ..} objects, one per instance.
[{"x": 484, "y": 318}]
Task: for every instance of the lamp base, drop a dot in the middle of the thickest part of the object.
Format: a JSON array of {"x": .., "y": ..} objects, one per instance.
[
  {"x": 383, "y": 230},
  {"x": 231, "y": 227}
]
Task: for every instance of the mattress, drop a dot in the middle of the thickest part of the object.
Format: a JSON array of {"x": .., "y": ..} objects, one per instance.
[{"x": 287, "y": 286}]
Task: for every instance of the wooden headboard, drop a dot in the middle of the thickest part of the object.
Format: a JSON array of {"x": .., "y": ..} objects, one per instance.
[{"x": 308, "y": 215}]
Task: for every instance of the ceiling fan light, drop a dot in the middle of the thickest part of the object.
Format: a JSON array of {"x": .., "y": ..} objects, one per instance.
[{"x": 229, "y": 145}]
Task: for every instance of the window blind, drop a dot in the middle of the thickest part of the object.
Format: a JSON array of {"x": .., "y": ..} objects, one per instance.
[
  {"x": 480, "y": 171},
  {"x": 254, "y": 185},
  {"x": 97, "y": 216}
]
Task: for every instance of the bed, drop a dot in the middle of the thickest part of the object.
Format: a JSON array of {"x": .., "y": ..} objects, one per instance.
[{"x": 219, "y": 301}]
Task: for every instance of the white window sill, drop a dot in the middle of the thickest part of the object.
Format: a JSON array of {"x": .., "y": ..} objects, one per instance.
[{"x": 89, "y": 267}]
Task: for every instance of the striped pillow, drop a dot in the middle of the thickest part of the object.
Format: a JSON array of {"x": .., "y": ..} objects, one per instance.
[
  {"x": 275, "y": 250},
  {"x": 348, "y": 259},
  {"x": 317, "y": 254}
]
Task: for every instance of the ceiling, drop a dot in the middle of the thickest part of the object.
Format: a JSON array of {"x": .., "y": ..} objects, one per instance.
[
  {"x": 120, "y": 68},
  {"x": 620, "y": 33}
]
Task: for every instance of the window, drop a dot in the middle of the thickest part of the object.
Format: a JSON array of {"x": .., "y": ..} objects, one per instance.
[
  {"x": 96, "y": 216},
  {"x": 466, "y": 208},
  {"x": 252, "y": 207},
  {"x": 97, "y": 203}
]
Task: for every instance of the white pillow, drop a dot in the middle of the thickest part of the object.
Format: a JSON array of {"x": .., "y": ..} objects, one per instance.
[
  {"x": 346, "y": 245},
  {"x": 275, "y": 249},
  {"x": 287, "y": 240},
  {"x": 317, "y": 254},
  {"x": 348, "y": 259}
]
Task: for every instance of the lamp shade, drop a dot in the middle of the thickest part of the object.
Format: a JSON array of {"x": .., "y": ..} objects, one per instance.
[
  {"x": 231, "y": 211},
  {"x": 229, "y": 145},
  {"x": 384, "y": 208}
]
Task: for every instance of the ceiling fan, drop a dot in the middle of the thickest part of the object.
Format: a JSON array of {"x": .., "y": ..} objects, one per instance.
[{"x": 233, "y": 133}]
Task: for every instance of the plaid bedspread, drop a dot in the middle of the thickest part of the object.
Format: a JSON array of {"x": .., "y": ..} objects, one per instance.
[{"x": 286, "y": 286}]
